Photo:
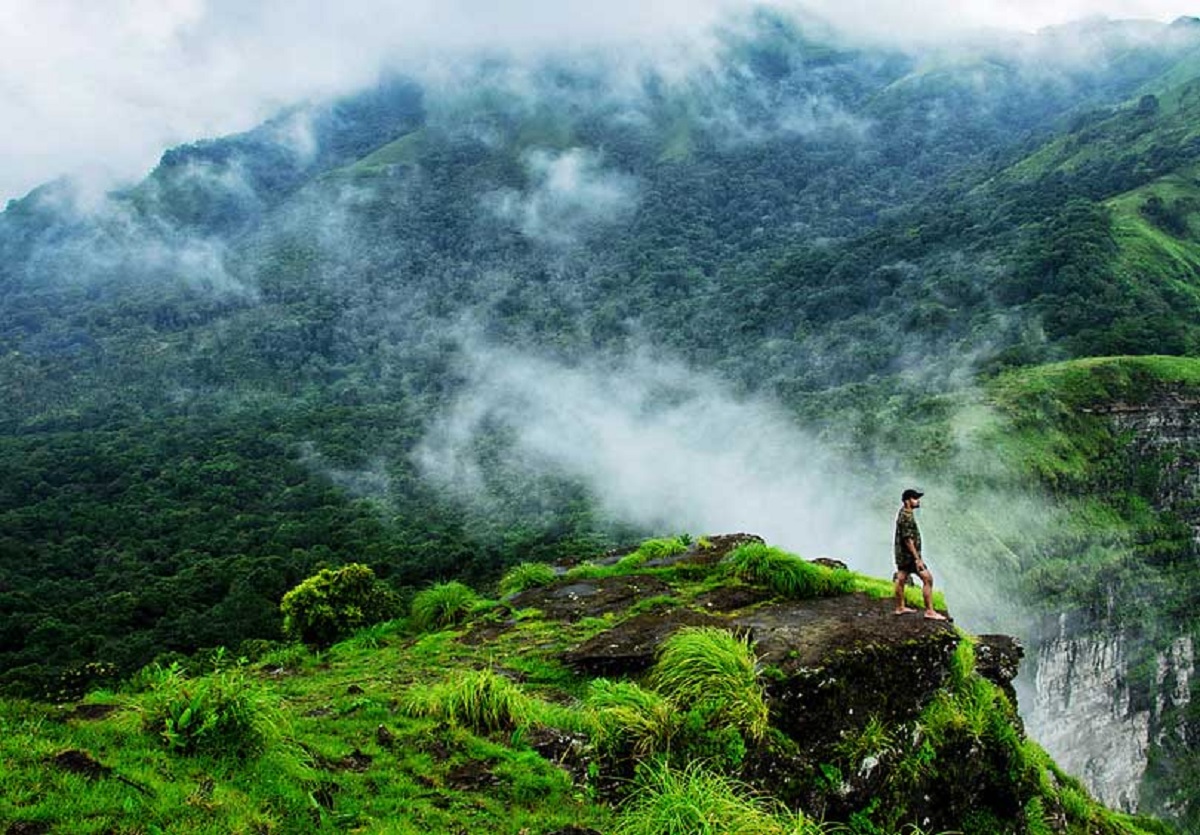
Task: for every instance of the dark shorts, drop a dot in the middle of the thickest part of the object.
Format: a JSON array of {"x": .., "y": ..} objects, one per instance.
[{"x": 907, "y": 564}]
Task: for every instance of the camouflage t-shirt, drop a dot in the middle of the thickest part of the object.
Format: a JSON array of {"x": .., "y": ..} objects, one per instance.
[{"x": 906, "y": 528}]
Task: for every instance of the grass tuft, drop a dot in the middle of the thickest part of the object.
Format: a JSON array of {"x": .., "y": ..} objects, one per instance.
[
  {"x": 482, "y": 700},
  {"x": 527, "y": 575},
  {"x": 785, "y": 574},
  {"x": 710, "y": 669},
  {"x": 695, "y": 801},
  {"x": 442, "y": 605},
  {"x": 631, "y": 719}
]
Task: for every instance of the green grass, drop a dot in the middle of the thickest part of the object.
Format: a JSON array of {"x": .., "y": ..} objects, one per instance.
[
  {"x": 440, "y": 724},
  {"x": 482, "y": 700},
  {"x": 693, "y": 801},
  {"x": 785, "y": 574},
  {"x": 221, "y": 714},
  {"x": 709, "y": 669},
  {"x": 631, "y": 719},
  {"x": 527, "y": 575},
  {"x": 443, "y": 605},
  {"x": 407, "y": 150}
]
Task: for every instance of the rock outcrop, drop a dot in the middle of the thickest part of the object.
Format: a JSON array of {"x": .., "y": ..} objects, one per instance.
[{"x": 832, "y": 666}]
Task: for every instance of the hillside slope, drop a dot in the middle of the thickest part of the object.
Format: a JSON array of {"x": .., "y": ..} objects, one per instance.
[{"x": 495, "y": 719}]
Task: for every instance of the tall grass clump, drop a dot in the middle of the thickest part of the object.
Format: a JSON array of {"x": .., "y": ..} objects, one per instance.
[
  {"x": 482, "y": 700},
  {"x": 785, "y": 574},
  {"x": 652, "y": 549},
  {"x": 442, "y": 605},
  {"x": 221, "y": 714},
  {"x": 527, "y": 575},
  {"x": 709, "y": 669},
  {"x": 630, "y": 719},
  {"x": 694, "y": 801}
]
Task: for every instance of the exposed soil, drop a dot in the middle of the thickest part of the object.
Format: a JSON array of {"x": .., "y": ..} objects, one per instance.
[
  {"x": 28, "y": 828},
  {"x": 472, "y": 775},
  {"x": 92, "y": 712},
  {"x": 80, "y": 762}
]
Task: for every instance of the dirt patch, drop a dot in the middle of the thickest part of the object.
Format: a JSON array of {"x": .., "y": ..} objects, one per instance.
[
  {"x": 630, "y": 646},
  {"x": 571, "y": 600},
  {"x": 28, "y": 828},
  {"x": 484, "y": 633},
  {"x": 80, "y": 762},
  {"x": 356, "y": 761},
  {"x": 92, "y": 713},
  {"x": 471, "y": 776}
]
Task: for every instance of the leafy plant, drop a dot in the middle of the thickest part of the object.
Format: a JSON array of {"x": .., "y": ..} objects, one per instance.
[
  {"x": 710, "y": 669},
  {"x": 221, "y": 714},
  {"x": 442, "y": 605},
  {"x": 334, "y": 603}
]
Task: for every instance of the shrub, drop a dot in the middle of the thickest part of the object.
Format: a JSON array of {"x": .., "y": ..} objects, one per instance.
[
  {"x": 710, "y": 669},
  {"x": 694, "y": 801},
  {"x": 443, "y": 605},
  {"x": 334, "y": 603},
  {"x": 479, "y": 699},
  {"x": 785, "y": 574},
  {"x": 527, "y": 575},
  {"x": 222, "y": 714},
  {"x": 631, "y": 719}
]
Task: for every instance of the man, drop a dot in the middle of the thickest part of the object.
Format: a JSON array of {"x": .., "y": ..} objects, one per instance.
[{"x": 907, "y": 547}]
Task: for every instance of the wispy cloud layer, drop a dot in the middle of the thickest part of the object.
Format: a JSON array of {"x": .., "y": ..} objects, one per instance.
[{"x": 101, "y": 89}]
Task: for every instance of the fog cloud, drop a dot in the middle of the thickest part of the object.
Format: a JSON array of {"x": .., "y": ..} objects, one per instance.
[
  {"x": 659, "y": 445},
  {"x": 571, "y": 197},
  {"x": 101, "y": 90}
]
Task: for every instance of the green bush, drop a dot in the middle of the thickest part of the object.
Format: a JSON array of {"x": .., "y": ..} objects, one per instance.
[
  {"x": 479, "y": 699},
  {"x": 709, "y": 669},
  {"x": 785, "y": 574},
  {"x": 443, "y": 605},
  {"x": 527, "y": 575},
  {"x": 334, "y": 603},
  {"x": 221, "y": 714},
  {"x": 631, "y": 719}
]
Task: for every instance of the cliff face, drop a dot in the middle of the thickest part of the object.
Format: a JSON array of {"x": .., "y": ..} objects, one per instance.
[
  {"x": 1111, "y": 699},
  {"x": 1164, "y": 438}
]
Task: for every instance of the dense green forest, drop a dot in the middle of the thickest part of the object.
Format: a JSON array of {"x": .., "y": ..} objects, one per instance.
[{"x": 221, "y": 379}]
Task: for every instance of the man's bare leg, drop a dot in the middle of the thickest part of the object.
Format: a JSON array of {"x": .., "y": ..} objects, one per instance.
[
  {"x": 901, "y": 582},
  {"x": 927, "y": 593}
]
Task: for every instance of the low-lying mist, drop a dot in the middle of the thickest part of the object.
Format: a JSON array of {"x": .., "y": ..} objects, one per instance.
[{"x": 671, "y": 449}]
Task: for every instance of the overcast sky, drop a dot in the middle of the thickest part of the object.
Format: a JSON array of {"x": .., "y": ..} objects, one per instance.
[{"x": 98, "y": 90}]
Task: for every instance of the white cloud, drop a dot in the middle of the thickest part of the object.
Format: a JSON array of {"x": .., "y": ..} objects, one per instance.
[
  {"x": 102, "y": 89},
  {"x": 659, "y": 445},
  {"x": 571, "y": 197}
]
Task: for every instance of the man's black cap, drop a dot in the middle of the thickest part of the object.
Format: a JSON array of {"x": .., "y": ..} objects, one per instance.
[{"x": 910, "y": 494}]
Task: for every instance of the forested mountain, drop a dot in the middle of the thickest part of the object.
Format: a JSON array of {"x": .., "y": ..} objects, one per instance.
[{"x": 290, "y": 348}]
